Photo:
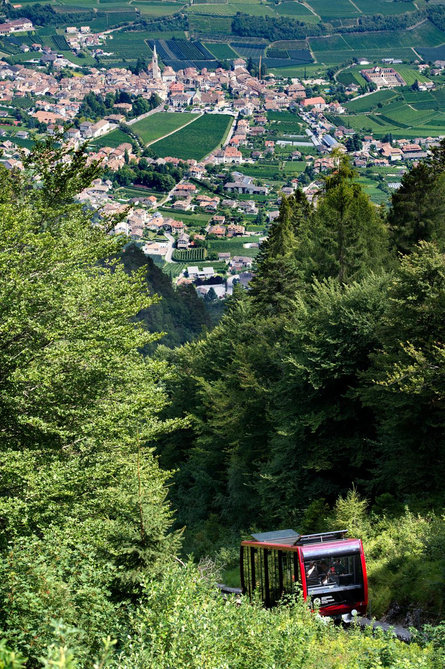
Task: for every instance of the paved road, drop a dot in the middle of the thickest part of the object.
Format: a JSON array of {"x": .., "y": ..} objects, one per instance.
[
  {"x": 231, "y": 131},
  {"x": 171, "y": 241},
  {"x": 230, "y": 281}
]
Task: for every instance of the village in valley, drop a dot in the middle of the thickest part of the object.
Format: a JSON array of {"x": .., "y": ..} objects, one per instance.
[{"x": 196, "y": 160}]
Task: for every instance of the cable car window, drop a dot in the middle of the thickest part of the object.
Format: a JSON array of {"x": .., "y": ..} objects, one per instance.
[{"x": 333, "y": 573}]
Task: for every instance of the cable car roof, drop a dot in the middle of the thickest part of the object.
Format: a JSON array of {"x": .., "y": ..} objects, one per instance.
[
  {"x": 283, "y": 537},
  {"x": 292, "y": 538}
]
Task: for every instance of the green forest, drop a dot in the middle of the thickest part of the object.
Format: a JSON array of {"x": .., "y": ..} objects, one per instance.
[{"x": 132, "y": 465}]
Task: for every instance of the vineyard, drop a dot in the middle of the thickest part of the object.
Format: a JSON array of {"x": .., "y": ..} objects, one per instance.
[
  {"x": 197, "y": 139},
  {"x": 60, "y": 42},
  {"x": 159, "y": 124},
  {"x": 187, "y": 255}
]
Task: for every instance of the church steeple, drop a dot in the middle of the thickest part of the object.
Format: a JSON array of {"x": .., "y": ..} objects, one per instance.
[{"x": 155, "y": 69}]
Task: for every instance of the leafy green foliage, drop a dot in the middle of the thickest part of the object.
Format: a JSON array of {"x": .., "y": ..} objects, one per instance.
[
  {"x": 404, "y": 554},
  {"x": 82, "y": 500},
  {"x": 329, "y": 372},
  {"x": 273, "y": 414},
  {"x": 185, "y": 623}
]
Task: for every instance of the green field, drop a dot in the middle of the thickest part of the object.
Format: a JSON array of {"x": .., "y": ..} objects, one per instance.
[
  {"x": 334, "y": 43},
  {"x": 129, "y": 45},
  {"x": 191, "y": 219},
  {"x": 210, "y": 24},
  {"x": 113, "y": 139},
  {"x": 234, "y": 246},
  {"x": 223, "y": 51},
  {"x": 370, "y": 101},
  {"x": 261, "y": 171},
  {"x": 197, "y": 139},
  {"x": 294, "y": 9},
  {"x": 404, "y": 113},
  {"x": 189, "y": 255},
  {"x": 172, "y": 269},
  {"x": 338, "y": 9},
  {"x": 157, "y": 125},
  {"x": 384, "y": 7},
  {"x": 154, "y": 9}
]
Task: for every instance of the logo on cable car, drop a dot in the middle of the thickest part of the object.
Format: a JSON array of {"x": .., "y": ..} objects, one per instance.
[{"x": 317, "y": 601}]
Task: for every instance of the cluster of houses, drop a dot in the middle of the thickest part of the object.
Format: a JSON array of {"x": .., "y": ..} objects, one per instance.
[
  {"x": 79, "y": 38},
  {"x": 16, "y": 26},
  {"x": 235, "y": 92}
]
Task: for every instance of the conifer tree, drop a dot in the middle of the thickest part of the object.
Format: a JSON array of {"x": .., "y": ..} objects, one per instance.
[
  {"x": 277, "y": 277},
  {"x": 417, "y": 210},
  {"x": 346, "y": 237},
  {"x": 405, "y": 384}
]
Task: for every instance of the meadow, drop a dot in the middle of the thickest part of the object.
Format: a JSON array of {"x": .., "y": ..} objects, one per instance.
[
  {"x": 197, "y": 139},
  {"x": 191, "y": 219},
  {"x": 155, "y": 9},
  {"x": 370, "y": 101},
  {"x": 384, "y": 7},
  {"x": 157, "y": 125},
  {"x": 234, "y": 246},
  {"x": 397, "y": 118},
  {"x": 113, "y": 139},
  {"x": 403, "y": 112}
]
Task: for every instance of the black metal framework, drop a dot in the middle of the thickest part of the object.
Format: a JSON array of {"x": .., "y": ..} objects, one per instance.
[{"x": 269, "y": 572}]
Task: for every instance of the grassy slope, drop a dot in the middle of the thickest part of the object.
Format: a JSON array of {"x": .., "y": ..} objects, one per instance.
[
  {"x": 160, "y": 124},
  {"x": 196, "y": 140}
]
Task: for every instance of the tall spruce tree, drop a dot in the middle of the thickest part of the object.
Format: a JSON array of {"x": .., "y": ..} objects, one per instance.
[
  {"x": 277, "y": 278},
  {"x": 405, "y": 384},
  {"x": 319, "y": 437},
  {"x": 417, "y": 210},
  {"x": 346, "y": 237}
]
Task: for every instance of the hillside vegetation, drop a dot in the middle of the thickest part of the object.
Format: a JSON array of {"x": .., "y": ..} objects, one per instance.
[
  {"x": 325, "y": 374},
  {"x": 328, "y": 373}
]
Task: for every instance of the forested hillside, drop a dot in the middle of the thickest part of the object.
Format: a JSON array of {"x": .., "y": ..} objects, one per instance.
[
  {"x": 327, "y": 373},
  {"x": 180, "y": 315}
]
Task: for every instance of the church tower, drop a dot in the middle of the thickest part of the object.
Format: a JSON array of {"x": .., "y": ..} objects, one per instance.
[{"x": 155, "y": 70}]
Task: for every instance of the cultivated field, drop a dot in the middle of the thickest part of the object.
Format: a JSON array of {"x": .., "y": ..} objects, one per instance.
[
  {"x": 197, "y": 139},
  {"x": 234, "y": 246},
  {"x": 113, "y": 139},
  {"x": 129, "y": 45},
  {"x": 210, "y": 26},
  {"x": 403, "y": 114},
  {"x": 223, "y": 51},
  {"x": 157, "y": 125}
]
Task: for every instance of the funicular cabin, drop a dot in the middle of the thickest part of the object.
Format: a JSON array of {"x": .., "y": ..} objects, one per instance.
[{"x": 329, "y": 568}]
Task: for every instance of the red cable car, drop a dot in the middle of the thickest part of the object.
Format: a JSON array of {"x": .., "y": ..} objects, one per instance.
[{"x": 330, "y": 569}]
